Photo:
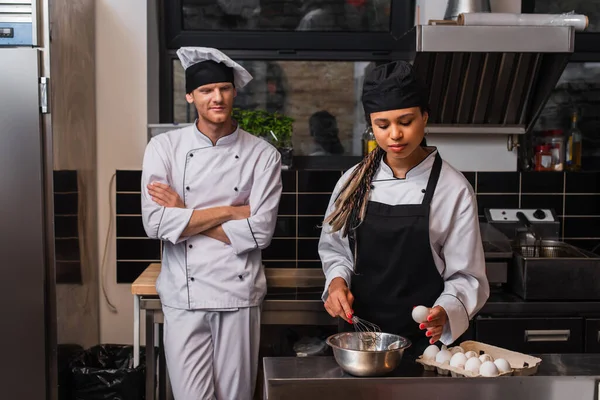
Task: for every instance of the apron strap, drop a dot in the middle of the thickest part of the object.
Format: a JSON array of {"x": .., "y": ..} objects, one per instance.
[{"x": 433, "y": 179}]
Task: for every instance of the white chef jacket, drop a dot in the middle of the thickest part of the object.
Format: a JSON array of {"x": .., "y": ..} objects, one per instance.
[
  {"x": 454, "y": 234},
  {"x": 199, "y": 272}
]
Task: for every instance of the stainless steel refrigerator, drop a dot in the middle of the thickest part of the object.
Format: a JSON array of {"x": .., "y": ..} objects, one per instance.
[{"x": 27, "y": 330}]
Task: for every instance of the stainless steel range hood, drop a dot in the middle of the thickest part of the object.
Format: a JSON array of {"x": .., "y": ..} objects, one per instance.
[{"x": 489, "y": 79}]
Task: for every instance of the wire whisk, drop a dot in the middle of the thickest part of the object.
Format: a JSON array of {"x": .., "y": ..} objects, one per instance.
[{"x": 368, "y": 332}]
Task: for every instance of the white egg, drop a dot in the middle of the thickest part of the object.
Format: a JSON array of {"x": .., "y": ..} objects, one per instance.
[
  {"x": 502, "y": 365},
  {"x": 485, "y": 357},
  {"x": 458, "y": 360},
  {"x": 471, "y": 354},
  {"x": 420, "y": 314},
  {"x": 488, "y": 369},
  {"x": 430, "y": 352},
  {"x": 456, "y": 349},
  {"x": 443, "y": 356},
  {"x": 473, "y": 364}
]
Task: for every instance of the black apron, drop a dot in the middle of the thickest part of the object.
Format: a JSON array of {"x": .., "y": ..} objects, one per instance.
[{"x": 395, "y": 270}]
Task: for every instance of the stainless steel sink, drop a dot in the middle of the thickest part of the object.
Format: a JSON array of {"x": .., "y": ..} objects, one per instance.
[{"x": 554, "y": 270}]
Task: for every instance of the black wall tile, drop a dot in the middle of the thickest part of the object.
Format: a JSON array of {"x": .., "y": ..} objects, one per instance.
[
  {"x": 471, "y": 177},
  {"x": 280, "y": 249},
  {"x": 582, "y": 205},
  {"x": 497, "y": 182},
  {"x": 138, "y": 249},
  {"x": 67, "y": 249},
  {"x": 129, "y": 203},
  {"x": 129, "y": 271},
  {"x": 285, "y": 227},
  {"x": 66, "y": 227},
  {"x": 68, "y": 272},
  {"x": 314, "y": 295},
  {"x": 309, "y": 226},
  {"x": 317, "y": 181},
  {"x": 279, "y": 264},
  {"x": 288, "y": 179},
  {"x": 313, "y": 204},
  {"x": 310, "y": 264},
  {"x": 281, "y": 290},
  {"x": 551, "y": 201},
  {"x": 583, "y": 227},
  {"x": 66, "y": 203},
  {"x": 308, "y": 249},
  {"x": 583, "y": 182},
  {"x": 129, "y": 181},
  {"x": 287, "y": 204},
  {"x": 311, "y": 290},
  {"x": 496, "y": 201},
  {"x": 65, "y": 181},
  {"x": 592, "y": 245},
  {"x": 130, "y": 227},
  {"x": 281, "y": 293},
  {"x": 542, "y": 182}
]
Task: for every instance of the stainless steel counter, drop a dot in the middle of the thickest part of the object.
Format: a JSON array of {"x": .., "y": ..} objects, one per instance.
[{"x": 564, "y": 376}]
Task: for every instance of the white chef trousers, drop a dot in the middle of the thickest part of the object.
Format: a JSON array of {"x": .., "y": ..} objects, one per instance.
[{"x": 212, "y": 354}]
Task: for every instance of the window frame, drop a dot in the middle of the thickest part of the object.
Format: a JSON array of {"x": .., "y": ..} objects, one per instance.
[
  {"x": 402, "y": 19},
  {"x": 166, "y": 101}
]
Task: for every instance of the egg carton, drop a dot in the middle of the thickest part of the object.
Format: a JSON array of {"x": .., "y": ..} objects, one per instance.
[{"x": 521, "y": 364}]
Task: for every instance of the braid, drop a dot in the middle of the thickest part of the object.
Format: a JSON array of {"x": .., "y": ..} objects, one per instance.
[{"x": 351, "y": 204}]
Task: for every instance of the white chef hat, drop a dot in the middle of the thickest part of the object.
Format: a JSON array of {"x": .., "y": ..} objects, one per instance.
[{"x": 205, "y": 65}]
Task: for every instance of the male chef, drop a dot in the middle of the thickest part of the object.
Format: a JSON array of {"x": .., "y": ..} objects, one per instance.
[{"x": 210, "y": 193}]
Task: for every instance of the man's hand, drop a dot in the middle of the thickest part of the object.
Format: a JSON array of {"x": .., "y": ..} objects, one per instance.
[
  {"x": 339, "y": 302},
  {"x": 435, "y": 323},
  {"x": 164, "y": 195}
]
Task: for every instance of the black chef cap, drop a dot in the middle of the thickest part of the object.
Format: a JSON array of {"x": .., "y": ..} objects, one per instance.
[
  {"x": 207, "y": 72},
  {"x": 393, "y": 86}
]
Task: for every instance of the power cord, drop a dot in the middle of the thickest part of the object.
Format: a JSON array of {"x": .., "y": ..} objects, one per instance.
[{"x": 111, "y": 306}]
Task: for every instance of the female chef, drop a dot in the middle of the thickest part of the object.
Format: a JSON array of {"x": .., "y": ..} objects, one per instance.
[{"x": 401, "y": 229}]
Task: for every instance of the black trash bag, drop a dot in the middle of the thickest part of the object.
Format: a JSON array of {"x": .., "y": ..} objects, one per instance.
[
  {"x": 65, "y": 353},
  {"x": 105, "y": 372}
]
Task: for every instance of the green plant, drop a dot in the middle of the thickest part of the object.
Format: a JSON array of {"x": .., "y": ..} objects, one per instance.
[{"x": 274, "y": 127}]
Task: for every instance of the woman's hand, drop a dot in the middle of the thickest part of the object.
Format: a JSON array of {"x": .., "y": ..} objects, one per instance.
[
  {"x": 164, "y": 196},
  {"x": 435, "y": 323},
  {"x": 339, "y": 302}
]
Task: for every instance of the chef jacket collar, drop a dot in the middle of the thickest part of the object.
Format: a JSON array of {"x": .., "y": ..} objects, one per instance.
[
  {"x": 385, "y": 172},
  {"x": 225, "y": 140}
]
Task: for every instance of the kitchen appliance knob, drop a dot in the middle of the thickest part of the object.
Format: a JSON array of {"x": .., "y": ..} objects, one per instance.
[{"x": 539, "y": 214}]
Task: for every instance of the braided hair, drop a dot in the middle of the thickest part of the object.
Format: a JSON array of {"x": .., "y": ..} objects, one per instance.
[{"x": 351, "y": 203}]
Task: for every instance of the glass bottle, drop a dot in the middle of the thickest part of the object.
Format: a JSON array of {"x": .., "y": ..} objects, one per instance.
[
  {"x": 369, "y": 142},
  {"x": 574, "y": 145},
  {"x": 543, "y": 158}
]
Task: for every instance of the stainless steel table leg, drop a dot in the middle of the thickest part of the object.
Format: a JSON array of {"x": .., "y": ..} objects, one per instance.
[
  {"x": 162, "y": 367},
  {"x": 150, "y": 357},
  {"x": 136, "y": 330}
]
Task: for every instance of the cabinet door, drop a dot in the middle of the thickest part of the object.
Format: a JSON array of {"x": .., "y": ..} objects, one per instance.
[
  {"x": 592, "y": 336},
  {"x": 532, "y": 335}
]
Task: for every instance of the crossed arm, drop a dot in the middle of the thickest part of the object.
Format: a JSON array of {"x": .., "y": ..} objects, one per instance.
[
  {"x": 206, "y": 222},
  {"x": 166, "y": 218}
]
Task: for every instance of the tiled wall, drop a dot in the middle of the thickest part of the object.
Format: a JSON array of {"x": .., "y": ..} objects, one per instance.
[
  {"x": 66, "y": 227},
  {"x": 575, "y": 197}
]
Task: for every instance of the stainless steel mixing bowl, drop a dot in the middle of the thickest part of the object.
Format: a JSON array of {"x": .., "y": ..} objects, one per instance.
[{"x": 358, "y": 357}]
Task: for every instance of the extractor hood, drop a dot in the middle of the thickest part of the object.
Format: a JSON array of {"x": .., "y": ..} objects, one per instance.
[{"x": 489, "y": 79}]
